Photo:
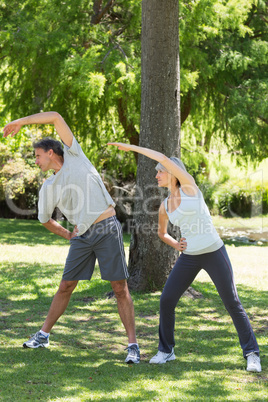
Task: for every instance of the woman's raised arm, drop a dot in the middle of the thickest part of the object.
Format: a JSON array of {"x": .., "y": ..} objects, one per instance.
[{"x": 186, "y": 180}]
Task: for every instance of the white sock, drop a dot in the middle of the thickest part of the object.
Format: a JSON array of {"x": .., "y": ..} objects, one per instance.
[
  {"x": 46, "y": 334},
  {"x": 130, "y": 344}
]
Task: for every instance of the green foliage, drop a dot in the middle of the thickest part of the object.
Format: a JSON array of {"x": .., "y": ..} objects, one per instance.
[
  {"x": 264, "y": 200},
  {"x": 61, "y": 56},
  {"x": 243, "y": 202},
  {"x": 224, "y": 75},
  {"x": 19, "y": 177},
  {"x": 54, "y": 59},
  {"x": 225, "y": 192}
]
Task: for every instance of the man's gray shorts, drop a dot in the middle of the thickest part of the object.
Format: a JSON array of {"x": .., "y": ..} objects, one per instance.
[{"x": 104, "y": 241}]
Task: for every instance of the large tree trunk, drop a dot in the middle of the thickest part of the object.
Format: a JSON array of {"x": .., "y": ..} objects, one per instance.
[{"x": 150, "y": 259}]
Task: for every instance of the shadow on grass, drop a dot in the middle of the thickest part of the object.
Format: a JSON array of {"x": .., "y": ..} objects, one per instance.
[
  {"x": 31, "y": 233},
  {"x": 73, "y": 376},
  {"x": 86, "y": 358},
  {"x": 25, "y": 285},
  {"x": 28, "y": 232},
  {"x": 72, "y": 372}
]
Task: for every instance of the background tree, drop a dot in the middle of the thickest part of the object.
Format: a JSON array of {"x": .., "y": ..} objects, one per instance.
[
  {"x": 224, "y": 76},
  {"x": 82, "y": 58},
  {"x": 150, "y": 259},
  {"x": 57, "y": 55}
]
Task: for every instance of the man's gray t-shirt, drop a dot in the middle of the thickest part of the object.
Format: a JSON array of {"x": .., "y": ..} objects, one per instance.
[{"x": 76, "y": 189}]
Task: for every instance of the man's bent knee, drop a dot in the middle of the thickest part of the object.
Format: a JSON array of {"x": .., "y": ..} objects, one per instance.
[
  {"x": 67, "y": 286},
  {"x": 120, "y": 288}
]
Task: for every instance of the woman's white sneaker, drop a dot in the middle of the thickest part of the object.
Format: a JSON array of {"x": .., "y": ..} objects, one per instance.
[
  {"x": 162, "y": 357},
  {"x": 253, "y": 363}
]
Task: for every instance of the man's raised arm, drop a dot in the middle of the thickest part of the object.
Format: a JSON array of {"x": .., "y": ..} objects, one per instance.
[{"x": 55, "y": 118}]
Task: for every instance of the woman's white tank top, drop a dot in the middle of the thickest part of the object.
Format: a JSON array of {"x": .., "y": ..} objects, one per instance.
[{"x": 195, "y": 223}]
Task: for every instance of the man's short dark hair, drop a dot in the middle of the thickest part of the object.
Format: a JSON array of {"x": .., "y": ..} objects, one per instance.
[{"x": 49, "y": 143}]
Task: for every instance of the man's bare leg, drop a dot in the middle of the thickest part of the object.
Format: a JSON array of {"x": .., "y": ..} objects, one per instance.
[
  {"x": 57, "y": 308},
  {"x": 125, "y": 308},
  {"x": 59, "y": 303}
]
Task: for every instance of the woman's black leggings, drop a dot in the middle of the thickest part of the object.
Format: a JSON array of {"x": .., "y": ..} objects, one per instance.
[{"x": 218, "y": 267}]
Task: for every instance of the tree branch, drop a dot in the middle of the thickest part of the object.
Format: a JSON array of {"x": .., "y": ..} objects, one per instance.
[
  {"x": 185, "y": 107},
  {"x": 117, "y": 46},
  {"x": 99, "y": 11},
  {"x": 263, "y": 119}
]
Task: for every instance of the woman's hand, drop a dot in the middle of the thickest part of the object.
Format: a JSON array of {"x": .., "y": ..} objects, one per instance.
[
  {"x": 182, "y": 244},
  {"x": 12, "y": 128},
  {"x": 121, "y": 146}
]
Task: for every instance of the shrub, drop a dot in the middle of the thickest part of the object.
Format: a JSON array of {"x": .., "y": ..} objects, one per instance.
[
  {"x": 210, "y": 190},
  {"x": 19, "y": 184},
  {"x": 243, "y": 202},
  {"x": 265, "y": 200}
]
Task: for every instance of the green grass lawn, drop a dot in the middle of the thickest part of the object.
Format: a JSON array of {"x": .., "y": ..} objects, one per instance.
[{"x": 85, "y": 360}]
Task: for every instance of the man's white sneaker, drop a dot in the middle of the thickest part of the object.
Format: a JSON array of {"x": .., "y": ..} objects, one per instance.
[
  {"x": 253, "y": 362},
  {"x": 37, "y": 341},
  {"x": 133, "y": 355},
  {"x": 162, "y": 357}
]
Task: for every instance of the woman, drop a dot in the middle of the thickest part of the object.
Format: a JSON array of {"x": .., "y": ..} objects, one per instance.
[{"x": 201, "y": 248}]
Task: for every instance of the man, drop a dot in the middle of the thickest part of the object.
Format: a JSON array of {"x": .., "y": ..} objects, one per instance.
[{"x": 78, "y": 191}]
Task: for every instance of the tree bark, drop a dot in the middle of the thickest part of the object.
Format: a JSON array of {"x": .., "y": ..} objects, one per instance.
[{"x": 150, "y": 259}]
